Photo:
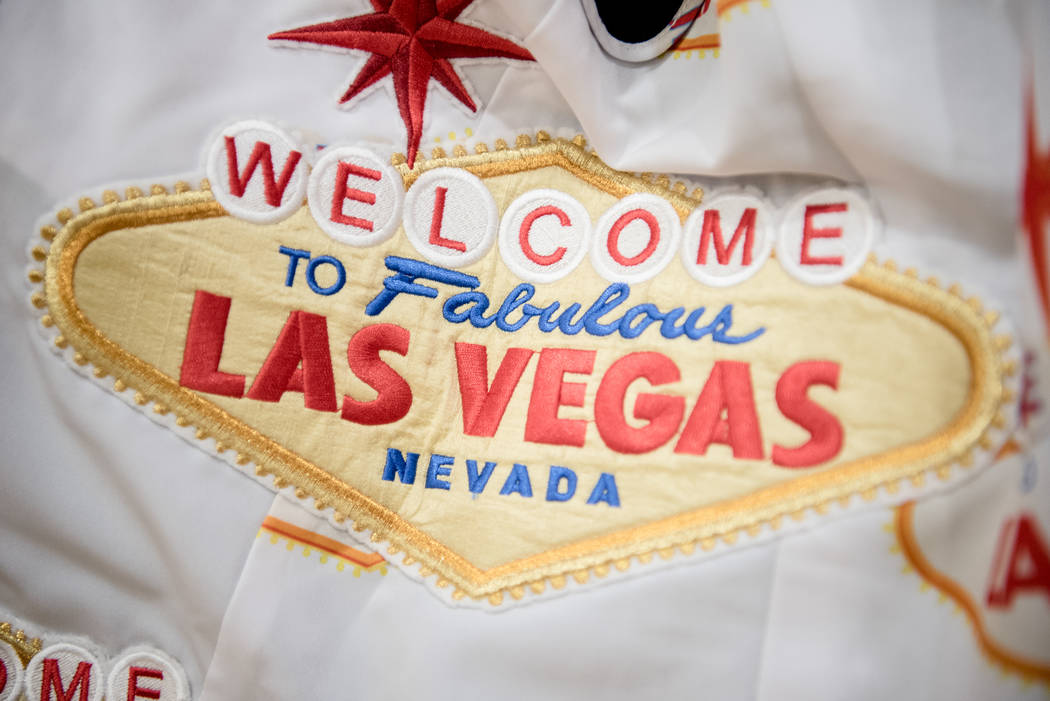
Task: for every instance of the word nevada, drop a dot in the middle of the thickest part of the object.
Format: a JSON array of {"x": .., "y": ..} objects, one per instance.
[{"x": 259, "y": 173}]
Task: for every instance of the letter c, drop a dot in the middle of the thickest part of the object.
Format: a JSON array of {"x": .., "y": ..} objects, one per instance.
[{"x": 526, "y": 227}]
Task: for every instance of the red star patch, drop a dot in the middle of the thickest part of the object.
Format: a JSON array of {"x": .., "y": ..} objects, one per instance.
[{"x": 412, "y": 41}]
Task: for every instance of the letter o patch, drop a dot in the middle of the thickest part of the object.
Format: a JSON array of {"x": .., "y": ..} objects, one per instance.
[
  {"x": 147, "y": 674},
  {"x": 544, "y": 235},
  {"x": 64, "y": 666},
  {"x": 354, "y": 197},
  {"x": 636, "y": 238},
  {"x": 450, "y": 217},
  {"x": 825, "y": 236},
  {"x": 257, "y": 172},
  {"x": 10, "y": 673}
]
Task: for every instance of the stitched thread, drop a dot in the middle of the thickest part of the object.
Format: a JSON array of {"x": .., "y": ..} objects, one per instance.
[{"x": 875, "y": 281}]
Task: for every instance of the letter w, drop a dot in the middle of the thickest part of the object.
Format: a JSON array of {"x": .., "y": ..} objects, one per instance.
[
  {"x": 274, "y": 190},
  {"x": 712, "y": 229},
  {"x": 483, "y": 406}
]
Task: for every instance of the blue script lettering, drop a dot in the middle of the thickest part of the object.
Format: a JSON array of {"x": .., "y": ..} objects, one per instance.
[{"x": 516, "y": 311}]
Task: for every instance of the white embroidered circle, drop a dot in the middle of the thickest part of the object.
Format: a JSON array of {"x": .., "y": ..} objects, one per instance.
[
  {"x": 728, "y": 239},
  {"x": 544, "y": 234},
  {"x": 450, "y": 217},
  {"x": 257, "y": 172},
  {"x": 825, "y": 236},
  {"x": 635, "y": 238},
  {"x": 150, "y": 673},
  {"x": 10, "y": 673},
  {"x": 355, "y": 197},
  {"x": 70, "y": 666}
]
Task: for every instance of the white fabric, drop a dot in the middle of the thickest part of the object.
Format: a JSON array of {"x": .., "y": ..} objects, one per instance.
[{"x": 114, "y": 529}]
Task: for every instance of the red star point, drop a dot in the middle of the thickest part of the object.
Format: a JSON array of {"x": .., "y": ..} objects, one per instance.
[
  {"x": 413, "y": 41},
  {"x": 1035, "y": 202}
]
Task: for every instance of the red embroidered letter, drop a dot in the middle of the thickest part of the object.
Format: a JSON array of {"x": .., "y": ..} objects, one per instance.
[
  {"x": 395, "y": 396},
  {"x": 483, "y": 406},
  {"x": 51, "y": 680},
  {"x": 274, "y": 191},
  {"x": 825, "y": 430},
  {"x": 1025, "y": 569},
  {"x": 712, "y": 231},
  {"x": 304, "y": 339},
  {"x": 135, "y": 691},
  {"x": 663, "y": 413},
  {"x": 435, "y": 223},
  {"x": 204, "y": 341},
  {"x": 526, "y": 226},
  {"x": 728, "y": 390},
  {"x": 550, "y": 391},
  {"x": 808, "y": 233},
  {"x": 343, "y": 192},
  {"x": 613, "y": 243}
]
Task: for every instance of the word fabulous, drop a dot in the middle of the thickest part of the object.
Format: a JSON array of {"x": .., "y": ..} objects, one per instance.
[{"x": 450, "y": 217}]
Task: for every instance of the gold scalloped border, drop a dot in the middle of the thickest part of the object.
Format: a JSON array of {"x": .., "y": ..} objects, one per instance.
[
  {"x": 24, "y": 646},
  {"x": 954, "y": 449}
]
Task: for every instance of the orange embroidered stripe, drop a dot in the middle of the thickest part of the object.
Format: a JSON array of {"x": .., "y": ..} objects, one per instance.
[
  {"x": 915, "y": 557},
  {"x": 320, "y": 542},
  {"x": 704, "y": 41}
]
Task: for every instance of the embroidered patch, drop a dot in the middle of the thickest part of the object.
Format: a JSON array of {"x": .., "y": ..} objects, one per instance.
[
  {"x": 11, "y": 673},
  {"x": 74, "y": 668},
  {"x": 64, "y": 671},
  {"x": 413, "y": 43},
  {"x": 358, "y": 560},
  {"x": 147, "y": 674},
  {"x": 508, "y": 435},
  {"x": 1001, "y": 579}
]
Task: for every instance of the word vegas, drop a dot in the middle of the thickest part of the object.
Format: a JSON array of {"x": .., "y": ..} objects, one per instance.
[
  {"x": 724, "y": 410},
  {"x": 258, "y": 173}
]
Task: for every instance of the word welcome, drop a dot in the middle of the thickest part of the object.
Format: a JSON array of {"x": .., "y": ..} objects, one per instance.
[{"x": 449, "y": 215}]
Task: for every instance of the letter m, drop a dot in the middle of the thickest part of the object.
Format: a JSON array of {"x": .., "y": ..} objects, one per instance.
[
  {"x": 712, "y": 230},
  {"x": 239, "y": 179},
  {"x": 51, "y": 680}
]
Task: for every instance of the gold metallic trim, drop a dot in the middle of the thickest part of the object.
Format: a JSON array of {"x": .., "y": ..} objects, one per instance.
[
  {"x": 24, "y": 646},
  {"x": 728, "y": 520},
  {"x": 569, "y": 155}
]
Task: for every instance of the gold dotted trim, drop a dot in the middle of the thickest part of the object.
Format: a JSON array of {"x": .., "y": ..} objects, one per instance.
[{"x": 533, "y": 152}]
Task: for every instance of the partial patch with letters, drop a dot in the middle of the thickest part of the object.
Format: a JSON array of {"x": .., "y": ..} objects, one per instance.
[
  {"x": 516, "y": 370},
  {"x": 56, "y": 666}
]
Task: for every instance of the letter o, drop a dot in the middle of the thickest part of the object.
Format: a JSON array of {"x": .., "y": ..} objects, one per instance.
[
  {"x": 311, "y": 278},
  {"x": 636, "y": 238},
  {"x": 10, "y": 673}
]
